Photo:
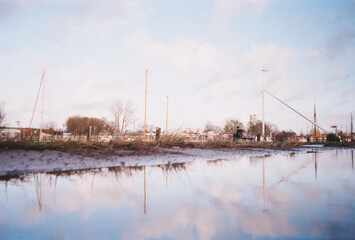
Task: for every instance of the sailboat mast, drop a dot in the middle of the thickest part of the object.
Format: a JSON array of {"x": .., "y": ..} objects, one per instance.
[{"x": 41, "y": 126}]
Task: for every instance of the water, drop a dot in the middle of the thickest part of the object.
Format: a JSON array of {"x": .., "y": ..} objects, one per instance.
[{"x": 293, "y": 196}]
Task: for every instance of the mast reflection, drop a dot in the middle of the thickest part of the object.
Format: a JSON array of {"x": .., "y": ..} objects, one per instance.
[
  {"x": 166, "y": 173},
  {"x": 38, "y": 185},
  {"x": 315, "y": 165},
  {"x": 145, "y": 193},
  {"x": 264, "y": 183}
]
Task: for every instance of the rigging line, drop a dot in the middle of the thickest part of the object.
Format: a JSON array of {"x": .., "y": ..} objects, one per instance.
[
  {"x": 247, "y": 105},
  {"x": 293, "y": 172},
  {"x": 295, "y": 111}
]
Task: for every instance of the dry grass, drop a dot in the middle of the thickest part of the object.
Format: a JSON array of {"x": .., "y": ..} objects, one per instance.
[{"x": 140, "y": 147}]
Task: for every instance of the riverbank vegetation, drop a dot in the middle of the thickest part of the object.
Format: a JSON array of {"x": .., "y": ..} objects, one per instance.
[{"x": 153, "y": 146}]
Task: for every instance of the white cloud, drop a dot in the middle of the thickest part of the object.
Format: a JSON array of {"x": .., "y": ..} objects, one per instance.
[
  {"x": 188, "y": 56},
  {"x": 225, "y": 10},
  {"x": 94, "y": 19},
  {"x": 224, "y": 77}
]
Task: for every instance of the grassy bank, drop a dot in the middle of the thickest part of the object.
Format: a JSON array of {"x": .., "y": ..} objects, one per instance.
[
  {"x": 136, "y": 145},
  {"x": 139, "y": 146},
  {"x": 79, "y": 146}
]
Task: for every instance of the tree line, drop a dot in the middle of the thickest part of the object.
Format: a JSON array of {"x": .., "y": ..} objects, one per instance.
[
  {"x": 2, "y": 113},
  {"x": 123, "y": 113},
  {"x": 231, "y": 126}
]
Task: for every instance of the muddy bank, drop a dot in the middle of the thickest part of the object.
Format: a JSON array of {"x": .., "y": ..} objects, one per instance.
[
  {"x": 14, "y": 162},
  {"x": 31, "y": 157}
]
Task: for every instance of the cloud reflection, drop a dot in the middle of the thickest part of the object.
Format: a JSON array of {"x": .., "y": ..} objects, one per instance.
[{"x": 202, "y": 200}]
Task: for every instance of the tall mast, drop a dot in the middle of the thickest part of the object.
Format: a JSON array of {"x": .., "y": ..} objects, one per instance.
[
  {"x": 34, "y": 109},
  {"x": 263, "y": 122},
  {"x": 145, "y": 105},
  {"x": 41, "y": 126},
  {"x": 315, "y": 120},
  {"x": 351, "y": 128},
  {"x": 167, "y": 111}
]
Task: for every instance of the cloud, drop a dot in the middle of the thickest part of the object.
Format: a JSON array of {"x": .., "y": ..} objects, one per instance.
[
  {"x": 97, "y": 19},
  {"x": 185, "y": 55},
  {"x": 339, "y": 42},
  {"x": 210, "y": 75},
  {"x": 244, "y": 75},
  {"x": 225, "y": 10}
]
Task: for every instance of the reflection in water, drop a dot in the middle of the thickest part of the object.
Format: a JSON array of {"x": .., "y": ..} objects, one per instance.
[
  {"x": 92, "y": 182},
  {"x": 38, "y": 184},
  {"x": 291, "y": 173},
  {"x": 219, "y": 199},
  {"x": 145, "y": 194},
  {"x": 315, "y": 165},
  {"x": 264, "y": 182},
  {"x": 166, "y": 174}
]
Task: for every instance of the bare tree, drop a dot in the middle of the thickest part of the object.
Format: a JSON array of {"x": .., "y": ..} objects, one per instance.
[
  {"x": 50, "y": 125},
  {"x": 232, "y": 125},
  {"x": 80, "y": 125},
  {"x": 123, "y": 113},
  {"x": 211, "y": 127},
  {"x": 255, "y": 127},
  {"x": 2, "y": 112}
]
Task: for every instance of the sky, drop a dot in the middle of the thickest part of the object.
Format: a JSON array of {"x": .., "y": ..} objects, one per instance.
[{"x": 206, "y": 55}]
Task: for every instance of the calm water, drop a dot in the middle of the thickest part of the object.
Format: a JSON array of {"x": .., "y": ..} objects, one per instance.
[{"x": 294, "y": 196}]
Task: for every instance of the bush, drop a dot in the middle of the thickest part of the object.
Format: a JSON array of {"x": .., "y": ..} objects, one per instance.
[
  {"x": 331, "y": 137},
  {"x": 283, "y": 136}
]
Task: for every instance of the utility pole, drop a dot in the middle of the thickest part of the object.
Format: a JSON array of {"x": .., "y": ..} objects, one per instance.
[
  {"x": 263, "y": 122},
  {"x": 167, "y": 111},
  {"x": 145, "y": 106}
]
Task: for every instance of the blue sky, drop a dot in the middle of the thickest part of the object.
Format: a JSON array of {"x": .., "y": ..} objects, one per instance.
[{"x": 206, "y": 55}]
